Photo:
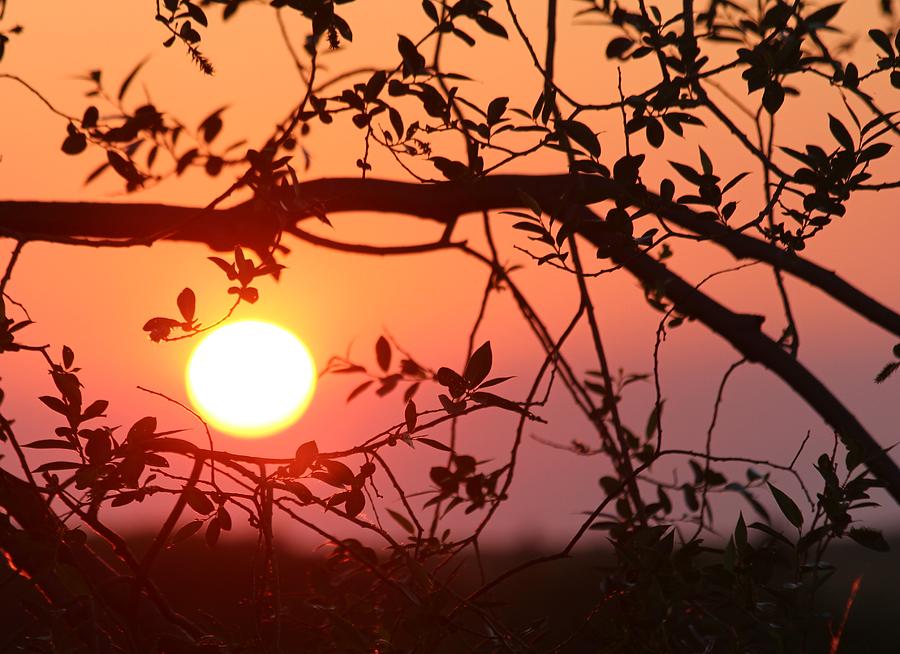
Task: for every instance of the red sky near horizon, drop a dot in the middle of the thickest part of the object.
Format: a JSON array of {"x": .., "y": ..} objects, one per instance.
[{"x": 95, "y": 301}]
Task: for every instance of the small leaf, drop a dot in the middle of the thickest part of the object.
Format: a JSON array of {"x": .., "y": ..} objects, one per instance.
[
  {"x": 213, "y": 531},
  {"x": 95, "y": 410},
  {"x": 871, "y": 538},
  {"x": 478, "y": 366},
  {"x": 198, "y": 500},
  {"x": 338, "y": 474},
  {"x": 356, "y": 502},
  {"x": 383, "y": 353},
  {"x": 402, "y": 521},
  {"x": 186, "y": 304},
  {"x": 773, "y": 97},
  {"x": 430, "y": 442},
  {"x": 582, "y": 135},
  {"x": 50, "y": 444},
  {"x": 618, "y": 47},
  {"x": 359, "y": 389},
  {"x": 788, "y": 507},
  {"x": 142, "y": 430},
  {"x": 840, "y": 133},
  {"x": 491, "y": 26},
  {"x": 411, "y": 416},
  {"x": 304, "y": 457},
  {"x": 128, "y": 80},
  {"x": 68, "y": 356},
  {"x": 55, "y": 404},
  {"x": 187, "y": 531}
]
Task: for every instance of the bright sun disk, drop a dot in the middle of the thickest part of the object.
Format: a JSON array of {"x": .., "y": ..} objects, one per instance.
[{"x": 251, "y": 378}]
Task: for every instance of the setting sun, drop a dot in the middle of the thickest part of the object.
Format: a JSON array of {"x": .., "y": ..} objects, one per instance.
[{"x": 251, "y": 378}]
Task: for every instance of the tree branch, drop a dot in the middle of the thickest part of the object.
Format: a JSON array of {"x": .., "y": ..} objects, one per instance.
[{"x": 250, "y": 225}]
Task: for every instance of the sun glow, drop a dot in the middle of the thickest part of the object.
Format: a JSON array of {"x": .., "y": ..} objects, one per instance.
[{"x": 251, "y": 378}]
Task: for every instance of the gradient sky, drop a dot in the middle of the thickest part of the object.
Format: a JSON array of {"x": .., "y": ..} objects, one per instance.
[{"x": 96, "y": 300}]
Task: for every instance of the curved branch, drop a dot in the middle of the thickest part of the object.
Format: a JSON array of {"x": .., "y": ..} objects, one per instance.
[{"x": 744, "y": 333}]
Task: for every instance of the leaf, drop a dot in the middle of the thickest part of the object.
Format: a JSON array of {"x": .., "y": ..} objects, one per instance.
[
  {"x": 496, "y": 109},
  {"x": 411, "y": 416},
  {"x": 213, "y": 531},
  {"x": 338, "y": 474},
  {"x": 871, "y": 538},
  {"x": 402, "y": 521},
  {"x": 124, "y": 168},
  {"x": 142, "y": 430},
  {"x": 197, "y": 13},
  {"x": 198, "y": 500},
  {"x": 375, "y": 85},
  {"x": 56, "y": 465},
  {"x": 301, "y": 491},
  {"x": 413, "y": 61},
  {"x": 430, "y": 10},
  {"x": 887, "y": 371},
  {"x": 212, "y": 125},
  {"x": 618, "y": 47},
  {"x": 582, "y": 135},
  {"x": 491, "y": 399},
  {"x": 882, "y": 41},
  {"x": 491, "y": 26},
  {"x": 478, "y": 366},
  {"x": 356, "y": 502},
  {"x": 75, "y": 143},
  {"x": 653, "y": 420},
  {"x": 55, "y": 404},
  {"x": 494, "y": 382},
  {"x": 359, "y": 389},
  {"x": 788, "y": 507},
  {"x": 840, "y": 133},
  {"x": 875, "y": 151},
  {"x": 430, "y": 442},
  {"x": 95, "y": 410},
  {"x": 187, "y": 531},
  {"x": 773, "y": 97},
  {"x": 383, "y": 353},
  {"x": 820, "y": 17},
  {"x": 226, "y": 267},
  {"x": 304, "y": 457},
  {"x": 50, "y": 444},
  {"x": 128, "y": 80},
  {"x": 68, "y": 356},
  {"x": 224, "y": 518},
  {"x": 451, "y": 407},
  {"x": 186, "y": 304}
]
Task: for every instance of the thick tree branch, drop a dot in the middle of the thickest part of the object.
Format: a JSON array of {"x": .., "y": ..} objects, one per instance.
[{"x": 251, "y": 225}]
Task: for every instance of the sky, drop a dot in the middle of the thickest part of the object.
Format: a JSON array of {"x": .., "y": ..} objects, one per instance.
[{"x": 95, "y": 301}]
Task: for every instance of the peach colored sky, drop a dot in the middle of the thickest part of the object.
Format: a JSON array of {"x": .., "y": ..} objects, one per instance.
[{"x": 96, "y": 300}]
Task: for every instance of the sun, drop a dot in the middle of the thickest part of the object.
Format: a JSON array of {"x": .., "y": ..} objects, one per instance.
[{"x": 251, "y": 378}]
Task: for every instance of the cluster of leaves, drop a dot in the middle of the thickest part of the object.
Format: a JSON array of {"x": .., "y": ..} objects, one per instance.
[
  {"x": 104, "y": 464},
  {"x": 178, "y": 21},
  {"x": 122, "y": 133},
  {"x": 832, "y": 177},
  {"x": 709, "y": 192},
  {"x": 242, "y": 270},
  {"x": 332, "y": 472},
  {"x": 407, "y": 371}
]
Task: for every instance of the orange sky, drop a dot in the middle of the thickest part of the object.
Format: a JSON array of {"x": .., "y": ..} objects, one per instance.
[{"x": 96, "y": 300}]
